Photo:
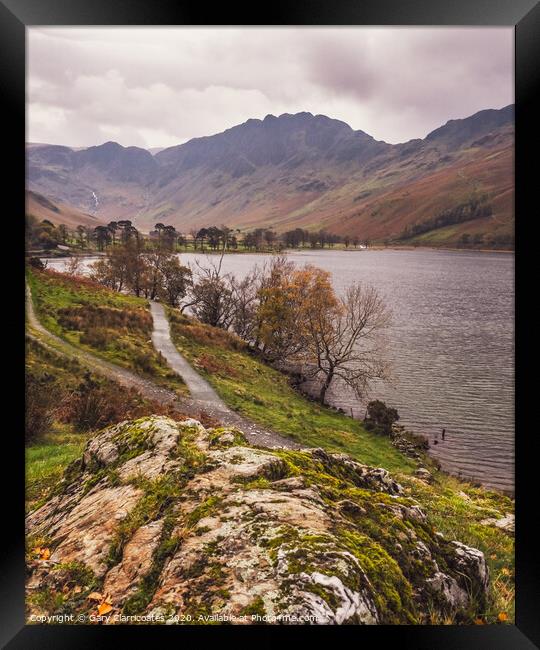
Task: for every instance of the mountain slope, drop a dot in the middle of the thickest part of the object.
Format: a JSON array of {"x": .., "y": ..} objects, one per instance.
[
  {"x": 42, "y": 208},
  {"x": 300, "y": 170}
]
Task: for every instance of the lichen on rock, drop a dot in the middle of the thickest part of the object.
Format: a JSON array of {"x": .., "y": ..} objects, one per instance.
[{"x": 193, "y": 523}]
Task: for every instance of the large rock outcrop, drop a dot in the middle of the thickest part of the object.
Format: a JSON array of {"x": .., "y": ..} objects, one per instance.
[{"x": 174, "y": 523}]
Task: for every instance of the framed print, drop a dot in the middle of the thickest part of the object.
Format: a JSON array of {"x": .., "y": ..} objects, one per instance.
[{"x": 270, "y": 323}]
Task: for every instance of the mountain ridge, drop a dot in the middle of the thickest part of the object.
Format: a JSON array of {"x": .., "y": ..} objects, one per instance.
[{"x": 294, "y": 170}]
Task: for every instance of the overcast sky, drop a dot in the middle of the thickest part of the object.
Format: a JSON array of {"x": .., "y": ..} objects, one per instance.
[{"x": 157, "y": 87}]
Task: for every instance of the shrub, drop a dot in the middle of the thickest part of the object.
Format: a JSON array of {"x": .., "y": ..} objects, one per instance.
[
  {"x": 36, "y": 263},
  {"x": 380, "y": 418},
  {"x": 86, "y": 317},
  {"x": 89, "y": 408},
  {"x": 97, "y": 337},
  {"x": 95, "y": 405},
  {"x": 206, "y": 335},
  {"x": 43, "y": 397},
  {"x": 144, "y": 362}
]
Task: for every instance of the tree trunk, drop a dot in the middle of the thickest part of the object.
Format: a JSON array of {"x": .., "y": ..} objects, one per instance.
[{"x": 326, "y": 386}]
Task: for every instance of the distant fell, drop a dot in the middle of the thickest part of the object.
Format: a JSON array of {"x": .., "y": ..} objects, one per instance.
[{"x": 300, "y": 170}]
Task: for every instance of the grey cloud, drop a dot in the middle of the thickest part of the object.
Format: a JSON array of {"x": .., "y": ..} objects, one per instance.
[{"x": 161, "y": 86}]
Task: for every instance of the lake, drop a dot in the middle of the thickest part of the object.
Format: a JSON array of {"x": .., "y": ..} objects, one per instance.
[{"x": 451, "y": 347}]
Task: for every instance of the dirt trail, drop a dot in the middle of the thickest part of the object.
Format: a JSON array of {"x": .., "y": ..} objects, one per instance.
[
  {"x": 203, "y": 397},
  {"x": 202, "y": 393}
]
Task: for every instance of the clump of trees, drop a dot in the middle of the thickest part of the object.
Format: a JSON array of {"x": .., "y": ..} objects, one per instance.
[
  {"x": 300, "y": 319},
  {"x": 292, "y": 315},
  {"x": 262, "y": 239},
  {"x": 152, "y": 273},
  {"x": 42, "y": 234},
  {"x": 479, "y": 240},
  {"x": 215, "y": 238},
  {"x": 474, "y": 208},
  {"x": 45, "y": 235}
]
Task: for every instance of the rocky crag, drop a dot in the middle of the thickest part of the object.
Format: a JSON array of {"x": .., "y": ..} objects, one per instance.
[{"x": 180, "y": 524}]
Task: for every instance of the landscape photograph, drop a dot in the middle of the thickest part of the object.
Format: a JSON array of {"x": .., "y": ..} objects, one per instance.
[{"x": 269, "y": 362}]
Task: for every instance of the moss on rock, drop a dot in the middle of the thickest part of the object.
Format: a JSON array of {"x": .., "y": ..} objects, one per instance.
[{"x": 233, "y": 530}]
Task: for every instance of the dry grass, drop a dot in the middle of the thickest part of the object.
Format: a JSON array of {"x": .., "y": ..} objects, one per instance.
[{"x": 88, "y": 317}]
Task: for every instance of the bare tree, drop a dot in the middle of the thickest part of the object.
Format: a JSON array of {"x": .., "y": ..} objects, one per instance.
[
  {"x": 73, "y": 266},
  {"x": 211, "y": 295},
  {"x": 346, "y": 340},
  {"x": 246, "y": 299}
]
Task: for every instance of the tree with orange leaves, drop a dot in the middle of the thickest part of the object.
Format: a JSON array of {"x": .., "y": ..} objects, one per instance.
[{"x": 344, "y": 339}]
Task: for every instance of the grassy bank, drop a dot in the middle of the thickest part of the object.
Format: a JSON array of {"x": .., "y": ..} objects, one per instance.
[
  {"x": 70, "y": 404},
  {"x": 113, "y": 326},
  {"x": 47, "y": 459},
  {"x": 265, "y": 395}
]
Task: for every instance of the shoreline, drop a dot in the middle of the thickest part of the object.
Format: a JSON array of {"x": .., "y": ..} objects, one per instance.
[
  {"x": 440, "y": 464},
  {"x": 354, "y": 250},
  {"x": 510, "y": 493},
  {"x": 431, "y": 457},
  {"x": 445, "y": 248},
  {"x": 97, "y": 254}
]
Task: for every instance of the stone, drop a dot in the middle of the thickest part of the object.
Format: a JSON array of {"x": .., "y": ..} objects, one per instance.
[
  {"x": 348, "y": 507},
  {"x": 424, "y": 474},
  {"x": 171, "y": 525},
  {"x": 506, "y": 523},
  {"x": 122, "y": 580},
  {"x": 374, "y": 478},
  {"x": 226, "y": 438},
  {"x": 86, "y": 532},
  {"x": 449, "y": 590},
  {"x": 291, "y": 483},
  {"x": 470, "y": 562}
]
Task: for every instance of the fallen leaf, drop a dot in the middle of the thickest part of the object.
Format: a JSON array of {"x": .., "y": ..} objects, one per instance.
[
  {"x": 45, "y": 554},
  {"x": 503, "y": 616},
  {"x": 478, "y": 621},
  {"x": 77, "y": 589},
  {"x": 95, "y": 595},
  {"x": 104, "y": 608}
]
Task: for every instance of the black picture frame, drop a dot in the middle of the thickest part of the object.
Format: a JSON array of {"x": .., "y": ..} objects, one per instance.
[{"x": 15, "y": 15}]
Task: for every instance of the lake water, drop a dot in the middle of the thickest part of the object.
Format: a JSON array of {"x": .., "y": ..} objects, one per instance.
[{"x": 451, "y": 347}]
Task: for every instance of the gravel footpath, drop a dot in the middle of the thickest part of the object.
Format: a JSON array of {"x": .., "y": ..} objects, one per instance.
[{"x": 203, "y": 401}]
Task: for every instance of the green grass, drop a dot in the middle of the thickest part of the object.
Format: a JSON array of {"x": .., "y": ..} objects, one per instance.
[
  {"x": 47, "y": 457},
  {"x": 124, "y": 324},
  {"x": 47, "y": 460},
  {"x": 457, "y": 509},
  {"x": 266, "y": 396}
]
